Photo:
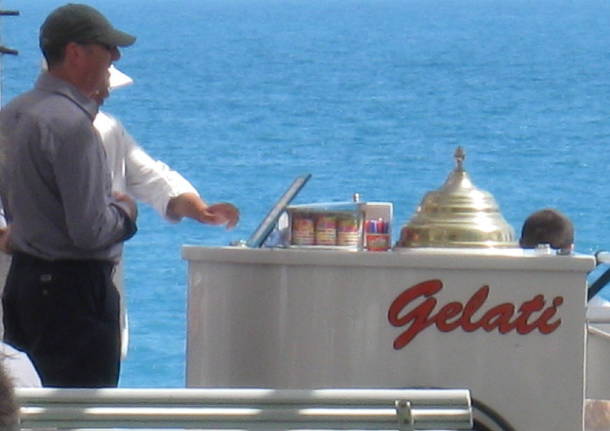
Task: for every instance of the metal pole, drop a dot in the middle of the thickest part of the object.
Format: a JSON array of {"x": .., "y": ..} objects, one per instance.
[{"x": 5, "y": 50}]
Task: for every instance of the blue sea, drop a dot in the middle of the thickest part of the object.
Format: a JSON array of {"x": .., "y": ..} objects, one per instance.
[{"x": 369, "y": 96}]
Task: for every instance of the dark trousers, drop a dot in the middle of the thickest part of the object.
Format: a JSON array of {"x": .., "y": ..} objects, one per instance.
[{"x": 65, "y": 316}]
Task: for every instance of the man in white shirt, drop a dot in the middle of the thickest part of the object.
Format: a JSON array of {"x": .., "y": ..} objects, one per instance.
[{"x": 150, "y": 181}]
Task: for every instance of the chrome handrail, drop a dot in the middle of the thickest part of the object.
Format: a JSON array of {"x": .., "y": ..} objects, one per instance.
[{"x": 400, "y": 409}]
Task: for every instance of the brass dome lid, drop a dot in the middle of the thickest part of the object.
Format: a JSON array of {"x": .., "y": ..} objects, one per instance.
[{"x": 457, "y": 215}]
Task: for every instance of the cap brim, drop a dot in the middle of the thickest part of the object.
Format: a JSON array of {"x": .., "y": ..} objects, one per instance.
[{"x": 117, "y": 38}]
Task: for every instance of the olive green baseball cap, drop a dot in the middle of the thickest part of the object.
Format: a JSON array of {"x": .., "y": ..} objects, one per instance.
[{"x": 82, "y": 24}]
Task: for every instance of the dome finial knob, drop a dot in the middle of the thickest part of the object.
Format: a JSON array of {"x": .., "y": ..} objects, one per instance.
[{"x": 459, "y": 156}]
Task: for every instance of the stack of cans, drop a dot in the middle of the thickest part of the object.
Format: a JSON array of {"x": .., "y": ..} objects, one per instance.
[{"x": 326, "y": 229}]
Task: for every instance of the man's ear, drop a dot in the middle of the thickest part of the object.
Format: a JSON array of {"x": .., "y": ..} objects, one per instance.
[{"x": 74, "y": 53}]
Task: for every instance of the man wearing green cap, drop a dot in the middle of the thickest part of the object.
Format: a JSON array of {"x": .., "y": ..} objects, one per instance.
[{"x": 67, "y": 227}]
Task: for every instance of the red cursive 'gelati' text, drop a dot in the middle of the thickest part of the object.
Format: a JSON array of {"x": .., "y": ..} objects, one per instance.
[{"x": 530, "y": 315}]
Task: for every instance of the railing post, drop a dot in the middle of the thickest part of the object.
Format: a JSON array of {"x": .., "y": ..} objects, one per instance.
[{"x": 405, "y": 418}]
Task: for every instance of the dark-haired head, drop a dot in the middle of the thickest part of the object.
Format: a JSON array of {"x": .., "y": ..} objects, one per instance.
[{"x": 547, "y": 226}]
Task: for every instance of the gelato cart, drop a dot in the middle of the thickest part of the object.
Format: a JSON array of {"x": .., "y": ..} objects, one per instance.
[{"x": 453, "y": 304}]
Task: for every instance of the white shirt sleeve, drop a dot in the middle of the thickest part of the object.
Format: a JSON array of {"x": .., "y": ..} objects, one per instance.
[{"x": 135, "y": 172}]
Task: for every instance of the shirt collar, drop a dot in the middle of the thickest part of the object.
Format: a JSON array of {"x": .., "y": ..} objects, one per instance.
[{"x": 48, "y": 82}]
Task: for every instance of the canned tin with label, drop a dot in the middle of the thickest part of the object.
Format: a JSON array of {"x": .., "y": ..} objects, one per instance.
[
  {"x": 303, "y": 229},
  {"x": 326, "y": 230},
  {"x": 348, "y": 230}
]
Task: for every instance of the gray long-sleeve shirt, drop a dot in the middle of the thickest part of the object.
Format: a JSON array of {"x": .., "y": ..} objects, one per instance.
[{"x": 54, "y": 179}]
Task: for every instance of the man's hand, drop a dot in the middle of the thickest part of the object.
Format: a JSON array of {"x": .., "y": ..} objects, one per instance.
[
  {"x": 192, "y": 206},
  {"x": 222, "y": 213}
]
